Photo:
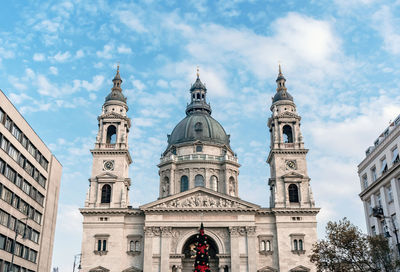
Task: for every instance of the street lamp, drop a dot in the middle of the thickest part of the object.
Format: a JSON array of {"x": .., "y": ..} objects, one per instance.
[
  {"x": 11, "y": 269},
  {"x": 75, "y": 257},
  {"x": 378, "y": 213}
]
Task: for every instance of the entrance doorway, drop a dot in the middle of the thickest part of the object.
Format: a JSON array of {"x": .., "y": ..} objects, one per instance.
[{"x": 189, "y": 250}]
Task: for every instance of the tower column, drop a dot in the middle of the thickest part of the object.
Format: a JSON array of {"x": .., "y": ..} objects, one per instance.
[
  {"x": 148, "y": 249},
  {"x": 235, "y": 258},
  {"x": 166, "y": 233},
  {"x": 251, "y": 249}
]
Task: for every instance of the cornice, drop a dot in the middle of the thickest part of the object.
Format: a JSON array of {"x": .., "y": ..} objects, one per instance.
[
  {"x": 199, "y": 161},
  {"x": 391, "y": 172},
  {"x": 286, "y": 151},
  {"x": 312, "y": 211},
  {"x": 126, "y": 211},
  {"x": 105, "y": 151}
]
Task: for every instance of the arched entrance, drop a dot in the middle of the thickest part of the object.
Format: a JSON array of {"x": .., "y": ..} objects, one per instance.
[{"x": 189, "y": 250}]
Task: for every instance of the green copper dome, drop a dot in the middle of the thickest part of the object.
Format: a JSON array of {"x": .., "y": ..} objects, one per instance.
[{"x": 198, "y": 126}]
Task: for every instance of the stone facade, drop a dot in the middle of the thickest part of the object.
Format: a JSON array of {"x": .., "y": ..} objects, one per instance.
[
  {"x": 379, "y": 174},
  {"x": 30, "y": 177},
  {"x": 199, "y": 183}
]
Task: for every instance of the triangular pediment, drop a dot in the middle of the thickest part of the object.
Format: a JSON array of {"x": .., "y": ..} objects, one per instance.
[
  {"x": 106, "y": 175},
  {"x": 132, "y": 269},
  {"x": 292, "y": 175},
  {"x": 99, "y": 269},
  {"x": 200, "y": 198},
  {"x": 299, "y": 268},
  {"x": 267, "y": 269}
]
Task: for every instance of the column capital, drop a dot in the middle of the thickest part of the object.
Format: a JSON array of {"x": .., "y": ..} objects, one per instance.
[
  {"x": 166, "y": 231},
  {"x": 251, "y": 230}
]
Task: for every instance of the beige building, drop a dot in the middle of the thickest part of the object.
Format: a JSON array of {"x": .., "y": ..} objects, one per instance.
[
  {"x": 379, "y": 174},
  {"x": 29, "y": 188},
  {"x": 199, "y": 175}
]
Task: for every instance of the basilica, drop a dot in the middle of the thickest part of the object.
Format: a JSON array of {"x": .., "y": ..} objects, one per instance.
[{"x": 199, "y": 176}]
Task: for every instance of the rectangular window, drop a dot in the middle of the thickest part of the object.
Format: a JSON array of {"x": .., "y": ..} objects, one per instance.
[
  {"x": 28, "y": 168},
  {"x": 365, "y": 181},
  {"x": 2, "y": 241},
  {"x": 42, "y": 181},
  {"x": 26, "y": 187},
  {"x": 21, "y": 160},
  {"x": 44, "y": 163},
  {"x": 1, "y": 116},
  {"x": 15, "y": 202},
  {"x": 390, "y": 193},
  {"x": 18, "y": 181},
  {"x": 4, "y": 218},
  {"x": 32, "y": 256},
  {"x": 2, "y": 165},
  {"x": 35, "y": 236},
  {"x": 18, "y": 249},
  {"x": 23, "y": 207},
  {"x": 395, "y": 155},
  {"x": 38, "y": 217},
  {"x": 379, "y": 200},
  {"x": 13, "y": 152},
  {"x": 384, "y": 166},
  {"x": 16, "y": 132},
  {"x": 31, "y": 149},
  {"x": 11, "y": 223},
  {"x": 6, "y": 195},
  {"x": 8, "y": 245},
  {"x": 24, "y": 141},
  {"x": 38, "y": 155},
  {"x": 373, "y": 173},
  {"x": 39, "y": 198},
  {"x": 4, "y": 144},
  {"x": 10, "y": 174},
  {"x": 36, "y": 174},
  {"x": 7, "y": 124},
  {"x": 20, "y": 228}
]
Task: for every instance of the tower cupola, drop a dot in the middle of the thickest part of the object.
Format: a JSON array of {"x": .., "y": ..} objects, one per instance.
[
  {"x": 198, "y": 93},
  {"x": 281, "y": 90},
  {"x": 116, "y": 90}
]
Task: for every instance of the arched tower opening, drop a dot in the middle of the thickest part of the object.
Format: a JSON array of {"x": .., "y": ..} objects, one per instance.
[
  {"x": 111, "y": 134},
  {"x": 293, "y": 193},
  {"x": 287, "y": 134}
]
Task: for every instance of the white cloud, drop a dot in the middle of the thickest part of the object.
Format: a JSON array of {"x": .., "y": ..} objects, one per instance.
[
  {"x": 138, "y": 84},
  {"x": 19, "y": 98},
  {"x": 95, "y": 84},
  {"x": 38, "y": 57},
  {"x": 6, "y": 54},
  {"x": 45, "y": 87},
  {"x": 79, "y": 54},
  {"x": 47, "y": 26},
  {"x": 388, "y": 28},
  {"x": 106, "y": 53},
  {"x": 131, "y": 20},
  {"x": 61, "y": 57},
  {"x": 53, "y": 70},
  {"x": 123, "y": 49}
]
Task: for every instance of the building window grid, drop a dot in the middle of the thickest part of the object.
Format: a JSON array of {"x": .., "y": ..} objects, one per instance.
[
  {"x": 17, "y": 133},
  {"x": 390, "y": 193},
  {"x": 20, "y": 250}
]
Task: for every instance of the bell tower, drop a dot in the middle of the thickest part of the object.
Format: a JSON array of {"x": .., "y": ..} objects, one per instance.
[
  {"x": 110, "y": 182},
  {"x": 289, "y": 182}
]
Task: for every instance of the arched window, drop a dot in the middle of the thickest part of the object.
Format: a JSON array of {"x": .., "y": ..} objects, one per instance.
[
  {"x": 262, "y": 246},
  {"x": 137, "y": 246},
  {"x": 111, "y": 135},
  {"x": 214, "y": 183},
  {"x": 300, "y": 244},
  {"x": 293, "y": 193},
  {"x": 295, "y": 247},
  {"x": 198, "y": 181},
  {"x": 268, "y": 246},
  {"x": 106, "y": 194},
  {"x": 287, "y": 134},
  {"x": 232, "y": 186},
  {"x": 184, "y": 183},
  {"x": 198, "y": 96},
  {"x": 131, "y": 246}
]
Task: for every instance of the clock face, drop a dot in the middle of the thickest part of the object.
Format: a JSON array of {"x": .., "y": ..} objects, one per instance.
[
  {"x": 291, "y": 164},
  {"x": 109, "y": 165}
]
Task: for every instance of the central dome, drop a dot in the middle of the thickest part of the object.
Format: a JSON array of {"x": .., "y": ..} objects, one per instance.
[{"x": 198, "y": 126}]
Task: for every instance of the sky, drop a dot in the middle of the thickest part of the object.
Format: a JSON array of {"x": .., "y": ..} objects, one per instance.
[{"x": 340, "y": 59}]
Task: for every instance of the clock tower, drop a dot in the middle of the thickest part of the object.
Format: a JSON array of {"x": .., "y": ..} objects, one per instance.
[
  {"x": 289, "y": 182},
  {"x": 109, "y": 183}
]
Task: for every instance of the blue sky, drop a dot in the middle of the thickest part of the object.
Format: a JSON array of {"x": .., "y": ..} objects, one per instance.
[{"x": 340, "y": 59}]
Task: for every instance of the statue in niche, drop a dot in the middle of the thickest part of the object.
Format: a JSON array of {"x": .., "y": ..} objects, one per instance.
[
  {"x": 232, "y": 189},
  {"x": 165, "y": 187}
]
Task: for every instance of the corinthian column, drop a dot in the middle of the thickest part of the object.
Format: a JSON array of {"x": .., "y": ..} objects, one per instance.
[
  {"x": 235, "y": 258},
  {"x": 166, "y": 233},
  {"x": 148, "y": 249}
]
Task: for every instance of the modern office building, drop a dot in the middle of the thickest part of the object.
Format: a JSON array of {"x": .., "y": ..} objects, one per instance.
[
  {"x": 379, "y": 174},
  {"x": 29, "y": 189},
  {"x": 199, "y": 174}
]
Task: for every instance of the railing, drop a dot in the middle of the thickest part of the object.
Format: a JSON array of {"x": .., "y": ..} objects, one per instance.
[
  {"x": 204, "y": 157},
  {"x": 110, "y": 145}
]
